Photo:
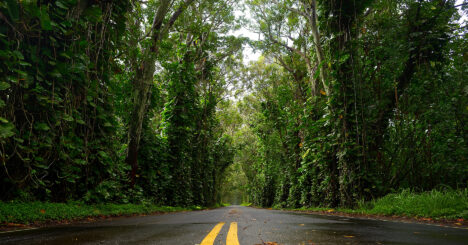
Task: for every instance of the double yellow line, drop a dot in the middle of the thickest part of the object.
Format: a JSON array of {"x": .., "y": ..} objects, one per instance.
[{"x": 231, "y": 236}]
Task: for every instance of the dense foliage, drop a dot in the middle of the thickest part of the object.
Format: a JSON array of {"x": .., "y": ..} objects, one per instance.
[
  {"x": 86, "y": 83},
  {"x": 150, "y": 101},
  {"x": 354, "y": 100},
  {"x": 58, "y": 126}
]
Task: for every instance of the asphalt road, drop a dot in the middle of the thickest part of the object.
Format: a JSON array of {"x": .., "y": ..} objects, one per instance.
[{"x": 254, "y": 226}]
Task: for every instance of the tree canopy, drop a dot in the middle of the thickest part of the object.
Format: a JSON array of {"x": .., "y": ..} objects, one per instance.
[{"x": 152, "y": 101}]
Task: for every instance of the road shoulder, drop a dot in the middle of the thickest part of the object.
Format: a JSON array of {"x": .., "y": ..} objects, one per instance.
[{"x": 459, "y": 223}]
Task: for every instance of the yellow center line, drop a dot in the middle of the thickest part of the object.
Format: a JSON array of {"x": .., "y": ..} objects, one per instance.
[
  {"x": 232, "y": 235},
  {"x": 210, "y": 238}
]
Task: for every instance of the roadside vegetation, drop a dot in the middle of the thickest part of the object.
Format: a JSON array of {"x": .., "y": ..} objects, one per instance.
[
  {"x": 39, "y": 212},
  {"x": 431, "y": 204},
  {"x": 435, "y": 205}
]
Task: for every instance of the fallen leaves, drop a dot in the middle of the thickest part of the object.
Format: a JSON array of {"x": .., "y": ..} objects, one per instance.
[{"x": 15, "y": 225}]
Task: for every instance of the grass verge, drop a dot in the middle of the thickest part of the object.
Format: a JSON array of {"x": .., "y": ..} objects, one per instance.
[
  {"x": 433, "y": 204},
  {"x": 448, "y": 205},
  {"x": 40, "y": 212}
]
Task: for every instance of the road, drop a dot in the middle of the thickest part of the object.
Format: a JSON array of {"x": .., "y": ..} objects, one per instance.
[{"x": 239, "y": 225}]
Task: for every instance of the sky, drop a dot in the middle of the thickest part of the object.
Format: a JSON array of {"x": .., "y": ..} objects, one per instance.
[{"x": 249, "y": 53}]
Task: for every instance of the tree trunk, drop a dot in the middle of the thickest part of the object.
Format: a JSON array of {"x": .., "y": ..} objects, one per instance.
[
  {"x": 312, "y": 15},
  {"x": 143, "y": 80},
  {"x": 142, "y": 85}
]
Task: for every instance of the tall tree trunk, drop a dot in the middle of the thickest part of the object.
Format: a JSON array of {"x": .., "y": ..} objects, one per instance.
[
  {"x": 311, "y": 10},
  {"x": 142, "y": 85},
  {"x": 143, "y": 80}
]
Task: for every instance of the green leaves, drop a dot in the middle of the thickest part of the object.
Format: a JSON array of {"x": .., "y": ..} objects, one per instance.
[
  {"x": 387, "y": 111},
  {"x": 52, "y": 58},
  {"x": 4, "y": 85},
  {"x": 61, "y": 4},
  {"x": 42, "y": 127},
  {"x": 93, "y": 14},
  {"x": 45, "y": 20},
  {"x": 6, "y": 128},
  {"x": 13, "y": 9},
  {"x": 67, "y": 118}
]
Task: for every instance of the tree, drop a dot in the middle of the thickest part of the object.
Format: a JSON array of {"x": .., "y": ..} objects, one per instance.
[{"x": 143, "y": 79}]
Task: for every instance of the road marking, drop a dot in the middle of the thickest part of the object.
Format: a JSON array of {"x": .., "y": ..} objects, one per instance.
[
  {"x": 210, "y": 238},
  {"x": 232, "y": 235}
]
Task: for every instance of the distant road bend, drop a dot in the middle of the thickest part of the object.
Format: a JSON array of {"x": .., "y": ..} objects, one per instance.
[{"x": 236, "y": 225}]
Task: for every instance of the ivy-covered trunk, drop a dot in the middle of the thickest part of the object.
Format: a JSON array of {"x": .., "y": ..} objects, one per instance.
[
  {"x": 142, "y": 84},
  {"x": 342, "y": 18},
  {"x": 57, "y": 133},
  {"x": 143, "y": 80}
]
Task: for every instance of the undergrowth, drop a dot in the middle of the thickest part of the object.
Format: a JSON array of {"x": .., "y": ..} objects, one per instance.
[{"x": 435, "y": 204}]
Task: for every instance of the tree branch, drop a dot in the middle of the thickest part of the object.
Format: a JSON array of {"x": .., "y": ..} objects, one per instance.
[{"x": 176, "y": 15}]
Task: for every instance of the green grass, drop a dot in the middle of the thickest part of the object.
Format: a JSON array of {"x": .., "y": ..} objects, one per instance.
[
  {"x": 28, "y": 212},
  {"x": 434, "y": 204},
  {"x": 246, "y": 204}
]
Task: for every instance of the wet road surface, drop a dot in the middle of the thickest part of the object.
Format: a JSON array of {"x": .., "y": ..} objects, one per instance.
[{"x": 254, "y": 226}]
